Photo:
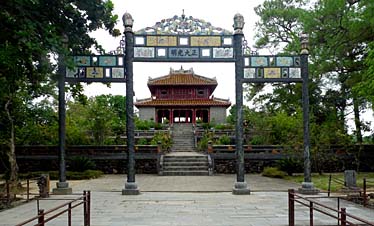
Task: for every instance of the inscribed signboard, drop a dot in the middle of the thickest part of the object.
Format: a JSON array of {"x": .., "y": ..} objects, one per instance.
[
  {"x": 271, "y": 72},
  {"x": 205, "y": 41},
  {"x": 161, "y": 41},
  {"x": 223, "y": 53},
  {"x": 183, "y": 52},
  {"x": 107, "y": 60},
  {"x": 144, "y": 52},
  {"x": 95, "y": 72},
  {"x": 118, "y": 73}
]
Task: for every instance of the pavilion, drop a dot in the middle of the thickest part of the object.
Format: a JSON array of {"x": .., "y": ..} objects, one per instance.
[{"x": 182, "y": 97}]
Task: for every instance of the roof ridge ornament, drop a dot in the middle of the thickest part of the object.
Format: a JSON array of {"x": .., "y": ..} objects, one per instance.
[{"x": 183, "y": 25}]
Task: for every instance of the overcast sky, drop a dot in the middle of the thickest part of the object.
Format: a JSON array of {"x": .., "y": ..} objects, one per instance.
[
  {"x": 219, "y": 13},
  {"x": 147, "y": 13}
]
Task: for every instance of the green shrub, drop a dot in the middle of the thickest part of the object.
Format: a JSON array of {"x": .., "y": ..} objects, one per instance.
[
  {"x": 87, "y": 174},
  {"x": 224, "y": 140},
  {"x": 273, "y": 172},
  {"x": 290, "y": 165},
  {"x": 257, "y": 140},
  {"x": 202, "y": 144},
  {"x": 224, "y": 126},
  {"x": 80, "y": 164},
  {"x": 142, "y": 141},
  {"x": 164, "y": 138},
  {"x": 53, "y": 175},
  {"x": 142, "y": 124}
]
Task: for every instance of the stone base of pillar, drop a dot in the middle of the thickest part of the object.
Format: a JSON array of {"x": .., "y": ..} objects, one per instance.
[
  {"x": 62, "y": 188},
  {"x": 307, "y": 188},
  {"x": 131, "y": 188},
  {"x": 241, "y": 188}
]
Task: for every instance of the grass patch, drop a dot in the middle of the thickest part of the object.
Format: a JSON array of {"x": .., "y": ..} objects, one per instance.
[
  {"x": 273, "y": 172},
  {"x": 322, "y": 181},
  {"x": 70, "y": 175}
]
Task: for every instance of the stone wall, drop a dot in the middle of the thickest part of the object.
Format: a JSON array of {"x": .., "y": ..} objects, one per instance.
[
  {"x": 218, "y": 114},
  {"x": 228, "y": 166},
  {"x": 147, "y": 113},
  {"x": 109, "y": 158}
]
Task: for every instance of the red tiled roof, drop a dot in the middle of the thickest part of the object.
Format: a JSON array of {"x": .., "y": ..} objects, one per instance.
[
  {"x": 158, "y": 102},
  {"x": 182, "y": 79}
]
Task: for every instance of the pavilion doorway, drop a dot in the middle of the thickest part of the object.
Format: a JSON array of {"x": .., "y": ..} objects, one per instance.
[
  {"x": 163, "y": 115},
  {"x": 182, "y": 116},
  {"x": 202, "y": 115}
]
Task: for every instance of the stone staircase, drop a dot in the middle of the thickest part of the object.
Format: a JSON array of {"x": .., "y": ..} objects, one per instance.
[
  {"x": 183, "y": 138},
  {"x": 183, "y": 160},
  {"x": 185, "y": 164}
]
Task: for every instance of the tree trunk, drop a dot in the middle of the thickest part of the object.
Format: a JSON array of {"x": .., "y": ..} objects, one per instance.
[
  {"x": 11, "y": 152},
  {"x": 358, "y": 125},
  {"x": 358, "y": 132}
]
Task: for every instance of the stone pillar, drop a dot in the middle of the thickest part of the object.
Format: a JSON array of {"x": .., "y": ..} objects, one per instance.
[
  {"x": 62, "y": 186},
  {"x": 131, "y": 187},
  {"x": 307, "y": 186},
  {"x": 240, "y": 186}
]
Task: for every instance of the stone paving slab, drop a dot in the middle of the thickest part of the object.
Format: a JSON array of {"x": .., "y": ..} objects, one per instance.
[
  {"x": 183, "y": 209},
  {"x": 216, "y": 183},
  {"x": 204, "y": 205}
]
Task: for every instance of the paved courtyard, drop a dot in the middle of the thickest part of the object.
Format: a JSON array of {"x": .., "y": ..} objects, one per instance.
[{"x": 184, "y": 201}]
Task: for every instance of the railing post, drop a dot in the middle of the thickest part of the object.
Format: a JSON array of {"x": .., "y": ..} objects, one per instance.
[
  {"x": 89, "y": 208},
  {"x": 41, "y": 217},
  {"x": 210, "y": 147},
  {"x": 69, "y": 214},
  {"x": 329, "y": 189},
  {"x": 311, "y": 213},
  {"x": 28, "y": 190},
  {"x": 365, "y": 196},
  {"x": 291, "y": 207},
  {"x": 159, "y": 147},
  {"x": 7, "y": 192},
  {"x": 338, "y": 210},
  {"x": 343, "y": 219},
  {"x": 84, "y": 209}
]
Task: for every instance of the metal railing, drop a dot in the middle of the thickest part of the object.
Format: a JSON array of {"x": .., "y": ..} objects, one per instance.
[
  {"x": 340, "y": 214},
  {"x": 8, "y": 196},
  {"x": 44, "y": 217},
  {"x": 341, "y": 183},
  {"x": 367, "y": 186}
]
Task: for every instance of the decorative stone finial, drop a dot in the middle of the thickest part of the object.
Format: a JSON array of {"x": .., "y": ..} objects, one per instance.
[
  {"x": 127, "y": 21},
  {"x": 238, "y": 23},
  {"x": 304, "y": 40}
]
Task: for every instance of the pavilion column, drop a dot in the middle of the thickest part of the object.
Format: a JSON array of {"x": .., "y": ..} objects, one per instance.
[{"x": 194, "y": 115}]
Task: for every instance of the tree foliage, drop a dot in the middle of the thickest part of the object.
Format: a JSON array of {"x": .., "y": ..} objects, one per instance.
[
  {"x": 96, "y": 121},
  {"x": 340, "y": 66},
  {"x": 34, "y": 32}
]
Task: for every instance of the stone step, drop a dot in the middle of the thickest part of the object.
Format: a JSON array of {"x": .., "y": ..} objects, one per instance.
[
  {"x": 174, "y": 160},
  {"x": 185, "y": 168},
  {"x": 186, "y": 173},
  {"x": 182, "y": 150},
  {"x": 181, "y": 156},
  {"x": 196, "y": 163},
  {"x": 182, "y": 143}
]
